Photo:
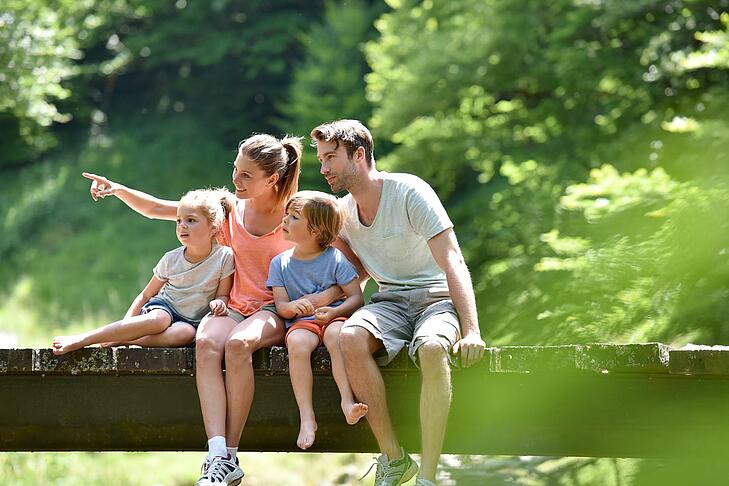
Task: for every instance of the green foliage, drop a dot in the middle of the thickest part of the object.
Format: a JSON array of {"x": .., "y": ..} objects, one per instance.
[
  {"x": 656, "y": 261},
  {"x": 37, "y": 50},
  {"x": 505, "y": 106},
  {"x": 329, "y": 83},
  {"x": 226, "y": 62},
  {"x": 81, "y": 261},
  {"x": 474, "y": 84},
  {"x": 606, "y": 267},
  {"x": 713, "y": 52},
  {"x": 43, "y": 52}
]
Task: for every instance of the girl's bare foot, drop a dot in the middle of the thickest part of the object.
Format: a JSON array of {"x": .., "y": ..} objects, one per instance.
[
  {"x": 112, "y": 344},
  {"x": 354, "y": 411},
  {"x": 64, "y": 344},
  {"x": 307, "y": 434}
]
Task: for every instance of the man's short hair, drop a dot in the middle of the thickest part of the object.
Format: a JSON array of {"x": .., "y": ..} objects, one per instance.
[
  {"x": 350, "y": 133},
  {"x": 321, "y": 212}
]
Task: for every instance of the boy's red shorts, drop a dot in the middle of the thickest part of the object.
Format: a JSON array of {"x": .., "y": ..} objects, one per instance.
[{"x": 312, "y": 326}]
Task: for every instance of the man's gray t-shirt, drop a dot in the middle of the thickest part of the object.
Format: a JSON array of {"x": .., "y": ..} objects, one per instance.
[
  {"x": 394, "y": 248},
  {"x": 302, "y": 277},
  {"x": 189, "y": 287}
]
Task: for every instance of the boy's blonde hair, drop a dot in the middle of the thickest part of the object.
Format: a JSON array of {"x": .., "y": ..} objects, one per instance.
[
  {"x": 215, "y": 204},
  {"x": 321, "y": 212}
]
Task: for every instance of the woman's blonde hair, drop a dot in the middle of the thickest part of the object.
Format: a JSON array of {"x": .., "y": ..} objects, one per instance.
[
  {"x": 215, "y": 204},
  {"x": 321, "y": 212},
  {"x": 274, "y": 156}
]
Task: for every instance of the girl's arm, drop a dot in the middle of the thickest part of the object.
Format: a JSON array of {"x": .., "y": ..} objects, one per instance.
[
  {"x": 219, "y": 305},
  {"x": 287, "y": 309},
  {"x": 150, "y": 290},
  {"x": 354, "y": 301},
  {"x": 141, "y": 202}
]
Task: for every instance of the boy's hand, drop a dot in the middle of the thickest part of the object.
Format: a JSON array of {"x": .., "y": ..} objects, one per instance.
[
  {"x": 325, "y": 314},
  {"x": 302, "y": 307},
  {"x": 218, "y": 307}
]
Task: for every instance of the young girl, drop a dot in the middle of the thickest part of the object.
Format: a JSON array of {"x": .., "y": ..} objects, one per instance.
[
  {"x": 312, "y": 223},
  {"x": 188, "y": 282}
]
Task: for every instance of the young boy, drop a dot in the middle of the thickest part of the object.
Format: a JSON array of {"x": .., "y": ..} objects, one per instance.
[{"x": 312, "y": 223}]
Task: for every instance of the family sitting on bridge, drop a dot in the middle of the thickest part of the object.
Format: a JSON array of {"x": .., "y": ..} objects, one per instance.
[{"x": 300, "y": 260}]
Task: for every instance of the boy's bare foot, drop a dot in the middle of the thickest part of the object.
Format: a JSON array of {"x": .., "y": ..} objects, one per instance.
[
  {"x": 307, "y": 434},
  {"x": 354, "y": 411},
  {"x": 64, "y": 344}
]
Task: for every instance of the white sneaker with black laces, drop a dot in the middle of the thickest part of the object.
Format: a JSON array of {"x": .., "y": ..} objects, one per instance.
[{"x": 220, "y": 471}]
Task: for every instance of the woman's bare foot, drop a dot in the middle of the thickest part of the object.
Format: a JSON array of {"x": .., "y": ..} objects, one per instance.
[
  {"x": 354, "y": 411},
  {"x": 64, "y": 344},
  {"x": 307, "y": 434}
]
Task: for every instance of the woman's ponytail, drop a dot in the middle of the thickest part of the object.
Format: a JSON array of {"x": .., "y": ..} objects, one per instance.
[{"x": 288, "y": 182}]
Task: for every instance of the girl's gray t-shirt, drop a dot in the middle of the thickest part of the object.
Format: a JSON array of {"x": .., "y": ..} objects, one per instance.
[
  {"x": 394, "y": 248},
  {"x": 189, "y": 287}
]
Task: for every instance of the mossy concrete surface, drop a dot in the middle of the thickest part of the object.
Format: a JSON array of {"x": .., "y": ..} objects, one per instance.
[{"x": 600, "y": 358}]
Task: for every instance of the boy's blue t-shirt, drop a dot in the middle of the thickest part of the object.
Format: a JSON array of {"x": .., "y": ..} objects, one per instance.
[{"x": 301, "y": 277}]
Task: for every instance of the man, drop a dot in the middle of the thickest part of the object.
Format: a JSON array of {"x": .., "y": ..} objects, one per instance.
[{"x": 400, "y": 231}]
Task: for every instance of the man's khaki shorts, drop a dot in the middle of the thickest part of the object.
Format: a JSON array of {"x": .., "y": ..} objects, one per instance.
[{"x": 401, "y": 318}]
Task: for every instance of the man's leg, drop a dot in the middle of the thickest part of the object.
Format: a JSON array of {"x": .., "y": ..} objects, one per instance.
[
  {"x": 435, "y": 400},
  {"x": 436, "y": 331},
  {"x": 357, "y": 346}
]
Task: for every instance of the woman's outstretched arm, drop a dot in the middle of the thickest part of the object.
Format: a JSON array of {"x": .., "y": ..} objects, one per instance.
[{"x": 141, "y": 202}]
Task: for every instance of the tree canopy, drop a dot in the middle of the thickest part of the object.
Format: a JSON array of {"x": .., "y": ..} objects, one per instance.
[{"x": 576, "y": 144}]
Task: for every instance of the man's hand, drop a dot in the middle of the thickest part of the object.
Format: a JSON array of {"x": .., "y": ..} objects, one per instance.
[
  {"x": 472, "y": 349},
  {"x": 218, "y": 307}
]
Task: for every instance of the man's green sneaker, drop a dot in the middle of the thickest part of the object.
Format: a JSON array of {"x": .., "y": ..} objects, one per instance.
[
  {"x": 424, "y": 482},
  {"x": 395, "y": 472}
]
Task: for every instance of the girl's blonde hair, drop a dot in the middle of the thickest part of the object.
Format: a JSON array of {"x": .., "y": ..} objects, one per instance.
[
  {"x": 215, "y": 204},
  {"x": 274, "y": 156},
  {"x": 321, "y": 212}
]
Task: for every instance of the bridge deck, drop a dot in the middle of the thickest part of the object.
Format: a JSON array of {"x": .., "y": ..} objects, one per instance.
[{"x": 639, "y": 400}]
